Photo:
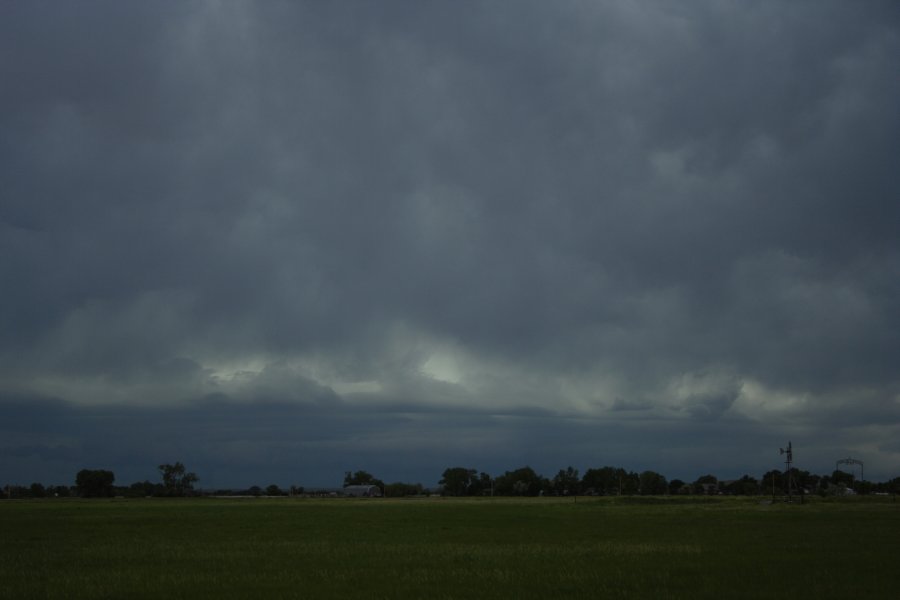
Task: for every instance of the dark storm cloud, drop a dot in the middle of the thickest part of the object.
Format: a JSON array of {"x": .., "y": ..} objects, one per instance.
[
  {"x": 596, "y": 210},
  {"x": 288, "y": 444}
]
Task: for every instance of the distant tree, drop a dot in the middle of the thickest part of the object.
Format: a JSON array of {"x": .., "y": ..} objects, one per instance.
[
  {"x": 839, "y": 477},
  {"x": 95, "y": 483},
  {"x": 745, "y": 486},
  {"x": 566, "y": 482},
  {"x": 255, "y": 490},
  {"x": 521, "y": 482},
  {"x": 863, "y": 487},
  {"x": 653, "y": 484},
  {"x": 676, "y": 486},
  {"x": 812, "y": 482},
  {"x": 836, "y": 489},
  {"x": 176, "y": 480},
  {"x": 485, "y": 484},
  {"x": 800, "y": 481},
  {"x": 458, "y": 481},
  {"x": 14, "y": 492},
  {"x": 361, "y": 478},
  {"x": 772, "y": 482},
  {"x": 37, "y": 490},
  {"x": 296, "y": 490},
  {"x": 603, "y": 481},
  {"x": 893, "y": 487},
  {"x": 142, "y": 489},
  {"x": 399, "y": 489},
  {"x": 274, "y": 490},
  {"x": 60, "y": 491},
  {"x": 629, "y": 482},
  {"x": 706, "y": 485}
]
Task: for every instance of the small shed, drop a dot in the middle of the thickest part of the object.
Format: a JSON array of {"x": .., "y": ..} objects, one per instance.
[{"x": 362, "y": 491}]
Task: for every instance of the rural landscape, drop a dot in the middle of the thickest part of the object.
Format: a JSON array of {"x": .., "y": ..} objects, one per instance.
[
  {"x": 436, "y": 299},
  {"x": 611, "y": 533}
]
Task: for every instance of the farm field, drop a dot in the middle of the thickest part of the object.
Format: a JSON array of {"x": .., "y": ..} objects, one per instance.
[{"x": 449, "y": 548}]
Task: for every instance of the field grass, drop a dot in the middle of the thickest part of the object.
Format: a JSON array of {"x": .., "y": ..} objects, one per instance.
[{"x": 446, "y": 548}]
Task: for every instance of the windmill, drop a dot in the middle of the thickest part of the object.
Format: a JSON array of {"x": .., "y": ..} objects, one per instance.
[{"x": 788, "y": 459}]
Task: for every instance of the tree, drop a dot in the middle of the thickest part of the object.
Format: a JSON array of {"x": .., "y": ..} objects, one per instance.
[
  {"x": 399, "y": 489},
  {"x": 653, "y": 484},
  {"x": 361, "y": 478},
  {"x": 812, "y": 482},
  {"x": 37, "y": 490},
  {"x": 521, "y": 482},
  {"x": 863, "y": 487},
  {"x": 893, "y": 487},
  {"x": 629, "y": 482},
  {"x": 140, "y": 489},
  {"x": 706, "y": 485},
  {"x": 566, "y": 482},
  {"x": 485, "y": 484},
  {"x": 95, "y": 483},
  {"x": 274, "y": 490},
  {"x": 798, "y": 481},
  {"x": 838, "y": 477},
  {"x": 13, "y": 492},
  {"x": 61, "y": 491},
  {"x": 676, "y": 486},
  {"x": 176, "y": 481},
  {"x": 772, "y": 482},
  {"x": 745, "y": 486},
  {"x": 601, "y": 481},
  {"x": 458, "y": 481}
]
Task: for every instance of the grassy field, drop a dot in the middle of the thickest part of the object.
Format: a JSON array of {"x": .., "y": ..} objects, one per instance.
[{"x": 446, "y": 548}]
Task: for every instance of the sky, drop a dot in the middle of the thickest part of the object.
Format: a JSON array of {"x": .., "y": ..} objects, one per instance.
[{"x": 277, "y": 241}]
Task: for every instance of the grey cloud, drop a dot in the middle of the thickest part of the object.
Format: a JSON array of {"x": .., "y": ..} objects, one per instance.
[
  {"x": 578, "y": 203},
  {"x": 230, "y": 444}
]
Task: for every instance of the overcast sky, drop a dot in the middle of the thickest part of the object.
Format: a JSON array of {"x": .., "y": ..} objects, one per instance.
[{"x": 281, "y": 240}]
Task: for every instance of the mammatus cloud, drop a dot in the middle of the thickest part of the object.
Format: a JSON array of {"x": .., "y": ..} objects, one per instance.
[{"x": 296, "y": 238}]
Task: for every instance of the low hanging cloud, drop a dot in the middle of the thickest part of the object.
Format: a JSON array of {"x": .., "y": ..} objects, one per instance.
[{"x": 303, "y": 238}]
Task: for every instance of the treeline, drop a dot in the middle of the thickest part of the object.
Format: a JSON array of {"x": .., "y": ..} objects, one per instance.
[
  {"x": 100, "y": 483},
  {"x": 139, "y": 489},
  {"x": 616, "y": 481},
  {"x": 176, "y": 481}
]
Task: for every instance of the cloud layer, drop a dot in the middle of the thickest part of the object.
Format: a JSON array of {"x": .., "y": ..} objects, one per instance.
[{"x": 298, "y": 238}]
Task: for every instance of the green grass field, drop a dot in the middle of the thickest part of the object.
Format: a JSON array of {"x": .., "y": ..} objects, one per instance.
[{"x": 447, "y": 548}]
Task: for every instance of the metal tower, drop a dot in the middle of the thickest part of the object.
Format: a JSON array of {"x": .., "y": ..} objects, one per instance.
[{"x": 788, "y": 459}]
